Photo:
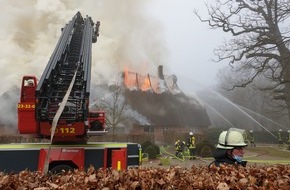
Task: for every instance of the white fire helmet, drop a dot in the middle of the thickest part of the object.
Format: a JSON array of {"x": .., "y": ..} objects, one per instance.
[
  {"x": 231, "y": 138},
  {"x": 190, "y": 133},
  {"x": 30, "y": 81}
]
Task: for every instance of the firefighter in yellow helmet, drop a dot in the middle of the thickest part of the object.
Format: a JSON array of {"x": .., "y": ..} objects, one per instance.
[
  {"x": 230, "y": 148},
  {"x": 191, "y": 146}
]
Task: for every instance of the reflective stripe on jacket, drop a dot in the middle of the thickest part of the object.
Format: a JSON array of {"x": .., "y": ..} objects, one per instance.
[{"x": 191, "y": 142}]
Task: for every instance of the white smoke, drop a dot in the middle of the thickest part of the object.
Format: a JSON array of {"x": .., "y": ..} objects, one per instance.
[
  {"x": 28, "y": 34},
  {"x": 30, "y": 29},
  {"x": 128, "y": 37},
  {"x": 141, "y": 119}
]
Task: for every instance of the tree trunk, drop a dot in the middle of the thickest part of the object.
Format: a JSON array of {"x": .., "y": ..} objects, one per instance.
[{"x": 287, "y": 87}]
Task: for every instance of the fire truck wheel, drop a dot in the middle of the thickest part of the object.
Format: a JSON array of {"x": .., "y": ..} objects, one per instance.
[{"x": 60, "y": 168}]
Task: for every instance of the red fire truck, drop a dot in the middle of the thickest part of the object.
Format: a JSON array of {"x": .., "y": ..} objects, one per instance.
[{"x": 57, "y": 108}]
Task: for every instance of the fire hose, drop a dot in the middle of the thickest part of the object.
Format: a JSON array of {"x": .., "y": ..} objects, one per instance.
[{"x": 56, "y": 118}]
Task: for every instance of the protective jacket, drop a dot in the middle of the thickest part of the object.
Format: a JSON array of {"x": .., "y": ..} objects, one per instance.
[
  {"x": 179, "y": 145},
  {"x": 251, "y": 137},
  {"x": 191, "y": 142},
  {"x": 221, "y": 157}
]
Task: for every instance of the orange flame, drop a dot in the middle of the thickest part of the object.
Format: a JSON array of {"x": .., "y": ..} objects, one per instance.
[
  {"x": 134, "y": 80},
  {"x": 129, "y": 81},
  {"x": 146, "y": 84}
]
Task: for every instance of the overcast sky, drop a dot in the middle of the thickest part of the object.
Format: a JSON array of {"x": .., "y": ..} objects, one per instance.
[
  {"x": 134, "y": 33},
  {"x": 191, "y": 42}
]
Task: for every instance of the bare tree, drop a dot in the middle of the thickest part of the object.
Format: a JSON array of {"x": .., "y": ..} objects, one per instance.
[
  {"x": 259, "y": 46},
  {"x": 253, "y": 101},
  {"x": 114, "y": 106}
]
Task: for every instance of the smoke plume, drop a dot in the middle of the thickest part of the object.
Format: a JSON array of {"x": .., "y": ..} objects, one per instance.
[{"x": 129, "y": 38}]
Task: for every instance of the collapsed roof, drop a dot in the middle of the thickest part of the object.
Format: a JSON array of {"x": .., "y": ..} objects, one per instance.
[{"x": 161, "y": 101}]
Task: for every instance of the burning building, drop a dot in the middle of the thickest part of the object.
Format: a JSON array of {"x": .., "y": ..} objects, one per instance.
[{"x": 164, "y": 105}]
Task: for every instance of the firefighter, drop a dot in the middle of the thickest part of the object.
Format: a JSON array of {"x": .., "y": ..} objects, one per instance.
[
  {"x": 179, "y": 147},
  {"x": 191, "y": 146},
  {"x": 30, "y": 82},
  {"x": 251, "y": 139},
  {"x": 280, "y": 138},
  {"x": 288, "y": 137},
  {"x": 230, "y": 148},
  {"x": 288, "y": 142}
]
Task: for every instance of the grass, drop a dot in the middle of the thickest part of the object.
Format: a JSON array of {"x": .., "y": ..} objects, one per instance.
[
  {"x": 271, "y": 151},
  {"x": 165, "y": 161}
]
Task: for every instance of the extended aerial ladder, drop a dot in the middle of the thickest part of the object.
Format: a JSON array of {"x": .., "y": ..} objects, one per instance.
[
  {"x": 68, "y": 71},
  {"x": 57, "y": 108}
]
